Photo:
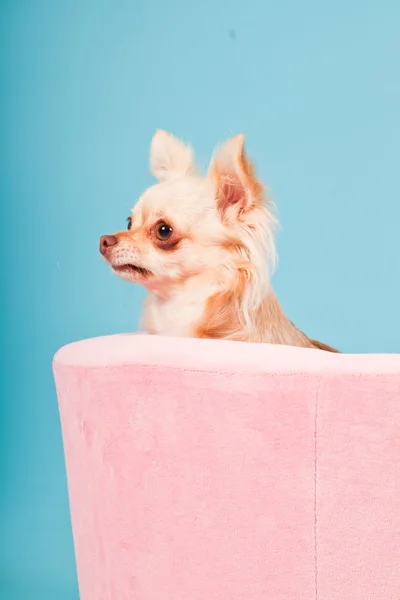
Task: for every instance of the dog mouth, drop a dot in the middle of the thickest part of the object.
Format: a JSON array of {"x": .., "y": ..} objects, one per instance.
[{"x": 133, "y": 270}]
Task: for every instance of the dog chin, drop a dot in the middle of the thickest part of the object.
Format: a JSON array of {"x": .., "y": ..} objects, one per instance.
[
  {"x": 132, "y": 272},
  {"x": 161, "y": 286}
]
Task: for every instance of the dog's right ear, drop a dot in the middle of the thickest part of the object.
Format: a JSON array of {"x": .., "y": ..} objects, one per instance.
[{"x": 170, "y": 157}]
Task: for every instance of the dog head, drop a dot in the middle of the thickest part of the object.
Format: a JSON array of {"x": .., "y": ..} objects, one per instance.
[{"x": 187, "y": 224}]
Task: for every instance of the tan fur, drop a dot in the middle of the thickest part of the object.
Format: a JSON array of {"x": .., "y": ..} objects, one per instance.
[
  {"x": 211, "y": 278},
  {"x": 221, "y": 321},
  {"x": 322, "y": 346}
]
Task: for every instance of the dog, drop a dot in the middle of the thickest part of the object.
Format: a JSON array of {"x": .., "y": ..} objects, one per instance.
[{"x": 204, "y": 248}]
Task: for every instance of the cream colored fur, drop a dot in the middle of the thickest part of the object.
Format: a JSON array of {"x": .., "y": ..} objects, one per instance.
[{"x": 212, "y": 277}]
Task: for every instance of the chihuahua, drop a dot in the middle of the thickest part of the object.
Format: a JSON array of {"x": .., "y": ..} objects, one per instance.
[{"x": 204, "y": 248}]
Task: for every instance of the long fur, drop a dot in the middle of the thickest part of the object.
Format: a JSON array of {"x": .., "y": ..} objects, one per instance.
[{"x": 212, "y": 276}]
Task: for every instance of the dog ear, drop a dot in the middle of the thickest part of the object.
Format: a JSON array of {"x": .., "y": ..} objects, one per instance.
[
  {"x": 237, "y": 188},
  {"x": 170, "y": 157}
]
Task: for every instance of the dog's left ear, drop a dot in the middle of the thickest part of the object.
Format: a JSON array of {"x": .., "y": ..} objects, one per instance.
[
  {"x": 237, "y": 188},
  {"x": 170, "y": 157}
]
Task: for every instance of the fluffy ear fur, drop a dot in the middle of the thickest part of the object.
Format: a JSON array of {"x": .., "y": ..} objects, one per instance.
[
  {"x": 238, "y": 189},
  {"x": 170, "y": 157}
]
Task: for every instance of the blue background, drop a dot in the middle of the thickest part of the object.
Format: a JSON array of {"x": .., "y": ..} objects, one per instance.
[{"x": 316, "y": 87}]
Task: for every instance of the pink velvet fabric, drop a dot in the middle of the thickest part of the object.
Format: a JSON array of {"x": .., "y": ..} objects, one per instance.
[{"x": 210, "y": 470}]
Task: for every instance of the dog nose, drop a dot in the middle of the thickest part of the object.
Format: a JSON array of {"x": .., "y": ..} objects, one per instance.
[{"x": 106, "y": 241}]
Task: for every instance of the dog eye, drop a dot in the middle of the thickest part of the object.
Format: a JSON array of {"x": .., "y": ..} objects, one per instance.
[
  {"x": 129, "y": 220},
  {"x": 163, "y": 231}
]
